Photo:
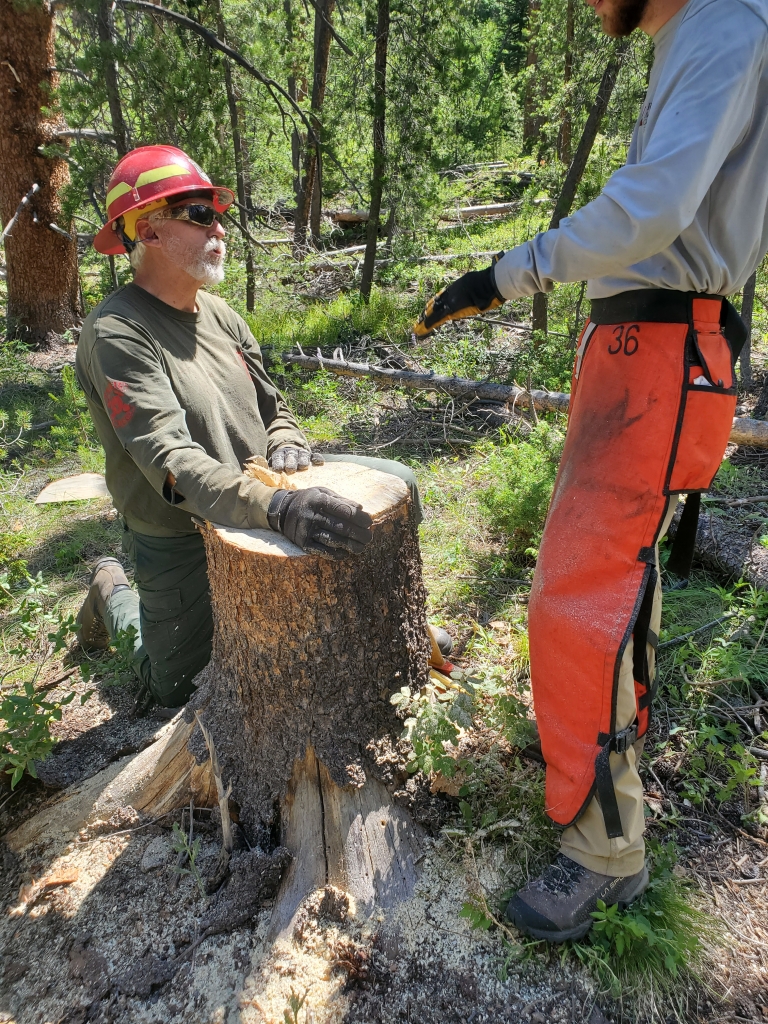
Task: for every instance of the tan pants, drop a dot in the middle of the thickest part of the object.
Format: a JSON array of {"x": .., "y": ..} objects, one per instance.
[{"x": 586, "y": 842}]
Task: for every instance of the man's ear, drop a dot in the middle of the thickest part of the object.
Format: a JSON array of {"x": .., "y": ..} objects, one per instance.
[{"x": 145, "y": 233}]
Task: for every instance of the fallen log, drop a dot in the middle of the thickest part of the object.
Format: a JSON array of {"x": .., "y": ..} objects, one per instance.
[
  {"x": 745, "y": 431},
  {"x": 456, "y": 387}
]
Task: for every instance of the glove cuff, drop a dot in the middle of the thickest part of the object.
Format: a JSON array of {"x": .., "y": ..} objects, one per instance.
[
  {"x": 495, "y": 287},
  {"x": 278, "y": 509}
]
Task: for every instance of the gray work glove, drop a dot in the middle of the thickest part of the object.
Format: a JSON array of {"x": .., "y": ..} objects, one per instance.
[
  {"x": 289, "y": 458},
  {"x": 319, "y": 521}
]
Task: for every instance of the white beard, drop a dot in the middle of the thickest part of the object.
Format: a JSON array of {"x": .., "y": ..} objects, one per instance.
[{"x": 203, "y": 265}]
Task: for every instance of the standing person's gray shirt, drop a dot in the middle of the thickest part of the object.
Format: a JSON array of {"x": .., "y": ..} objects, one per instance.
[{"x": 688, "y": 210}]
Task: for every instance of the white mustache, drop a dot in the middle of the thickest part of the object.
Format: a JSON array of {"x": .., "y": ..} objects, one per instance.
[{"x": 215, "y": 247}]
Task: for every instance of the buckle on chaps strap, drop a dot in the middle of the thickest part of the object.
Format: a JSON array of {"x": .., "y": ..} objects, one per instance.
[{"x": 619, "y": 744}]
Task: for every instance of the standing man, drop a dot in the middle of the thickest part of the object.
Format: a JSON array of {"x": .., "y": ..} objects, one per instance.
[
  {"x": 180, "y": 399},
  {"x": 679, "y": 227}
]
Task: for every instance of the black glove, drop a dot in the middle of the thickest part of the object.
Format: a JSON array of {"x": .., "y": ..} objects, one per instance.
[
  {"x": 473, "y": 293},
  {"x": 288, "y": 458},
  {"x": 320, "y": 521}
]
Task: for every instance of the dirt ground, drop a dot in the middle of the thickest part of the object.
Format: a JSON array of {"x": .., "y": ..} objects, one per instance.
[{"x": 97, "y": 925}]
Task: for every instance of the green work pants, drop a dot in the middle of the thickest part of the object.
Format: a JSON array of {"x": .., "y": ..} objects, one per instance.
[{"x": 170, "y": 609}]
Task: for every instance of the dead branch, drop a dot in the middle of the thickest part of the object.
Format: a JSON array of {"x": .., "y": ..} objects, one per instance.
[
  {"x": 246, "y": 233},
  {"x": 60, "y": 231},
  {"x": 454, "y": 386},
  {"x": 84, "y": 135},
  {"x": 24, "y": 202}
]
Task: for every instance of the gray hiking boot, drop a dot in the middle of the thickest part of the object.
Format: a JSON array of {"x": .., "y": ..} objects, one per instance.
[
  {"x": 559, "y": 903},
  {"x": 107, "y": 578}
]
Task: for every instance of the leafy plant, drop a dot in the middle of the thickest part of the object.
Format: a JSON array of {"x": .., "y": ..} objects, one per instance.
[
  {"x": 295, "y": 1003},
  {"x": 523, "y": 475},
  {"x": 180, "y": 844},
  {"x": 433, "y": 720},
  {"x": 25, "y": 736},
  {"x": 643, "y": 951}
]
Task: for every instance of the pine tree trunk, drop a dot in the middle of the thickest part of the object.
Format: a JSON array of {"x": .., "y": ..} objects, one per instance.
[
  {"x": 105, "y": 23},
  {"x": 242, "y": 175},
  {"x": 747, "y": 309},
  {"x": 43, "y": 292},
  {"x": 379, "y": 147},
  {"x": 311, "y": 176},
  {"x": 578, "y": 166}
]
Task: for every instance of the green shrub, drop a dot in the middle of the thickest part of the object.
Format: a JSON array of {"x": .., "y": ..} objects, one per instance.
[{"x": 523, "y": 474}]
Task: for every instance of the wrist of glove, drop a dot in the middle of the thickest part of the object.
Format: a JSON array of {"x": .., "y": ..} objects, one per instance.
[
  {"x": 320, "y": 521},
  {"x": 289, "y": 458},
  {"x": 473, "y": 293}
]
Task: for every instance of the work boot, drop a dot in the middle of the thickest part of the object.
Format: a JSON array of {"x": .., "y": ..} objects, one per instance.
[
  {"x": 559, "y": 903},
  {"x": 443, "y": 640},
  {"x": 107, "y": 579}
]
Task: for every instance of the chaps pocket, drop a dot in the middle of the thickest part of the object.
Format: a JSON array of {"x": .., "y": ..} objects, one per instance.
[{"x": 707, "y": 417}]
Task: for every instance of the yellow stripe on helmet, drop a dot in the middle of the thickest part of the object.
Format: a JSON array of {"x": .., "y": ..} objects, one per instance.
[
  {"x": 116, "y": 192},
  {"x": 159, "y": 173}
]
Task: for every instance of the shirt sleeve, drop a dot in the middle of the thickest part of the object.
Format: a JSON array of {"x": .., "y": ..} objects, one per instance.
[
  {"x": 126, "y": 370},
  {"x": 278, "y": 419},
  {"x": 704, "y": 104}
]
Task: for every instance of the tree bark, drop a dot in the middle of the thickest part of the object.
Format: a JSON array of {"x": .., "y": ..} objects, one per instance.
[
  {"x": 242, "y": 175},
  {"x": 105, "y": 25},
  {"x": 747, "y": 308},
  {"x": 312, "y": 172},
  {"x": 379, "y": 146},
  {"x": 578, "y": 166},
  {"x": 43, "y": 292}
]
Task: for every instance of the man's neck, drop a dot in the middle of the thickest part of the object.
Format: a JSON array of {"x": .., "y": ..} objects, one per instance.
[
  {"x": 658, "y": 13},
  {"x": 173, "y": 286}
]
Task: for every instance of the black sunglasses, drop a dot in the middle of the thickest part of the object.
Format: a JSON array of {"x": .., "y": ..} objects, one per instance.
[{"x": 196, "y": 213}]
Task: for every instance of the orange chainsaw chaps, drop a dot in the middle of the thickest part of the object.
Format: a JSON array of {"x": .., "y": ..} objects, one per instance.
[{"x": 639, "y": 429}]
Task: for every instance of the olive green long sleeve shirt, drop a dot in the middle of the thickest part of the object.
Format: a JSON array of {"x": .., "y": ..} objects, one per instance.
[{"x": 185, "y": 394}]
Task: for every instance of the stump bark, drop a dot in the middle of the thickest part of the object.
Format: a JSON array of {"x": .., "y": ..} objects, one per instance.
[{"x": 307, "y": 652}]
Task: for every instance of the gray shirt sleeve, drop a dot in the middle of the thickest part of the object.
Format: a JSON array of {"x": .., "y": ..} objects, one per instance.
[
  {"x": 706, "y": 103},
  {"x": 127, "y": 372}
]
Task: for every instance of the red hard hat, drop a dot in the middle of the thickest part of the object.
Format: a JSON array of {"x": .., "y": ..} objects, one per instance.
[{"x": 147, "y": 176}]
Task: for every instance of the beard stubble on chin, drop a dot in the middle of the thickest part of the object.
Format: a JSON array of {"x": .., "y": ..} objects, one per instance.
[
  {"x": 625, "y": 17},
  {"x": 200, "y": 264}
]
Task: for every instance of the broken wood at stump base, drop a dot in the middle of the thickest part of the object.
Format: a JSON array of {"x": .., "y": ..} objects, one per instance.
[{"x": 306, "y": 654}]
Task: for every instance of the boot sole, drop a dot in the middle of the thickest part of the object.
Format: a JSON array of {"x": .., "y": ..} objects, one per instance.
[{"x": 580, "y": 930}]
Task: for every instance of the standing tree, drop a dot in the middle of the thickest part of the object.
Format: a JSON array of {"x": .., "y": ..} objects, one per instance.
[
  {"x": 311, "y": 180},
  {"x": 42, "y": 262},
  {"x": 379, "y": 143},
  {"x": 578, "y": 166}
]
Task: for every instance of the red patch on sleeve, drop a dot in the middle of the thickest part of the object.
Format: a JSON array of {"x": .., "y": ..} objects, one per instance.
[
  {"x": 241, "y": 357},
  {"x": 120, "y": 411}
]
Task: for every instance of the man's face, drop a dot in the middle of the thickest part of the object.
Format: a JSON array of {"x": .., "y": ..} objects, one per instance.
[
  {"x": 619, "y": 17},
  {"x": 198, "y": 250}
]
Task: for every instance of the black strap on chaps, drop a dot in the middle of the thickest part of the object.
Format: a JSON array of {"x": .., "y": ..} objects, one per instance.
[
  {"x": 623, "y": 740},
  {"x": 681, "y": 556}
]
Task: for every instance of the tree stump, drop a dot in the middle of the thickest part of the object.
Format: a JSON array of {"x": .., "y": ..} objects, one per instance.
[{"x": 306, "y": 654}]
